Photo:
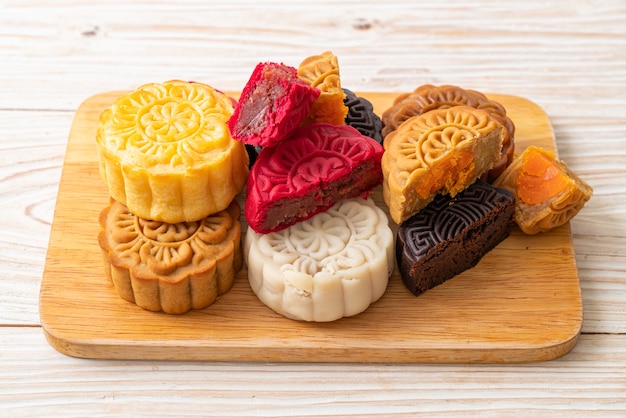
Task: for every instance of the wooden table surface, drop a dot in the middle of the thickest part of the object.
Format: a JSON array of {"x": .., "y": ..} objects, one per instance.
[{"x": 568, "y": 57}]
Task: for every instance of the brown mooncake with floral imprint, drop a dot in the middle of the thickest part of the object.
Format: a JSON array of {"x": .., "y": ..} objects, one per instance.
[
  {"x": 170, "y": 267},
  {"x": 438, "y": 152},
  {"x": 428, "y": 97},
  {"x": 322, "y": 72}
]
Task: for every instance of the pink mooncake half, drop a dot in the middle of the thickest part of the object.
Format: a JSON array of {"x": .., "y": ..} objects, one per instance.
[{"x": 316, "y": 167}]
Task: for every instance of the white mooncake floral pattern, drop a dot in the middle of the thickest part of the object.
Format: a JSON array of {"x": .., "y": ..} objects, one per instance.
[
  {"x": 332, "y": 265},
  {"x": 175, "y": 123},
  {"x": 332, "y": 241}
]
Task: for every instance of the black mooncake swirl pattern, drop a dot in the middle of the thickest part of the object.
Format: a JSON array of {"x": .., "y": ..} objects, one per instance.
[
  {"x": 451, "y": 235},
  {"x": 446, "y": 217},
  {"x": 361, "y": 116}
]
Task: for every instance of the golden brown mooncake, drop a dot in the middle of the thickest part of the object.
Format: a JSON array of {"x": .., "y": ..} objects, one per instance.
[
  {"x": 441, "y": 151},
  {"x": 547, "y": 193},
  {"x": 322, "y": 72},
  {"x": 170, "y": 267},
  {"x": 429, "y": 97},
  {"x": 166, "y": 152}
]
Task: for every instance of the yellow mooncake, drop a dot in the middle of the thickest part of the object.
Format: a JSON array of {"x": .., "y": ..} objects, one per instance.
[{"x": 166, "y": 152}]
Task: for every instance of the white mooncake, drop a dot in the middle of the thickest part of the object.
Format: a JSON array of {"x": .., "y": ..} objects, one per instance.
[{"x": 333, "y": 265}]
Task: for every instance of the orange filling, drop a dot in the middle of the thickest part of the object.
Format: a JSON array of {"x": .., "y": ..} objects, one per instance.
[
  {"x": 450, "y": 174},
  {"x": 540, "y": 178}
]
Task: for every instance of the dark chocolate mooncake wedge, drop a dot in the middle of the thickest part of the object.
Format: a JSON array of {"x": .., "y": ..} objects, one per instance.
[{"x": 451, "y": 235}]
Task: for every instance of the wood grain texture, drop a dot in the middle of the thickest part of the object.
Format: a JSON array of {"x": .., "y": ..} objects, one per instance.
[
  {"x": 31, "y": 159},
  {"x": 521, "y": 303},
  {"x": 73, "y": 50},
  {"x": 588, "y": 381}
]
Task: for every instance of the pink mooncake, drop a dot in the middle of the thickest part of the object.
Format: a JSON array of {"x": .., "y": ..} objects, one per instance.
[
  {"x": 308, "y": 173},
  {"x": 272, "y": 104}
]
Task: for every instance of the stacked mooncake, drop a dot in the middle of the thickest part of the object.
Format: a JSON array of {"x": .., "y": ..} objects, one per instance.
[
  {"x": 171, "y": 237},
  {"x": 428, "y": 97},
  {"x": 317, "y": 248}
]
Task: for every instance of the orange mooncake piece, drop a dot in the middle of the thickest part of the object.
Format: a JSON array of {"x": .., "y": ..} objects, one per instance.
[
  {"x": 322, "y": 72},
  {"x": 170, "y": 267},
  {"x": 166, "y": 152},
  {"x": 438, "y": 152},
  {"x": 547, "y": 193},
  {"x": 428, "y": 97}
]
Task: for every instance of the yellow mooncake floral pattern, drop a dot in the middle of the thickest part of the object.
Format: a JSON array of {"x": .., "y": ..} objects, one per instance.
[
  {"x": 166, "y": 152},
  {"x": 441, "y": 151},
  {"x": 175, "y": 123}
]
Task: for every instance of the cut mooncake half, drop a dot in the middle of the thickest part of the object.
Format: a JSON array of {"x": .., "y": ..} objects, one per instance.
[
  {"x": 439, "y": 152},
  {"x": 322, "y": 72},
  {"x": 170, "y": 267},
  {"x": 165, "y": 152},
  {"x": 272, "y": 104},
  {"x": 428, "y": 97},
  {"x": 361, "y": 116},
  {"x": 452, "y": 234},
  {"x": 333, "y": 265},
  {"x": 548, "y": 194},
  {"x": 308, "y": 173}
]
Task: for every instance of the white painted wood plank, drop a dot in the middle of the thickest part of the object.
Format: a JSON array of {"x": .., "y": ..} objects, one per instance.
[
  {"x": 534, "y": 49},
  {"x": 35, "y": 379},
  {"x": 32, "y": 148}
]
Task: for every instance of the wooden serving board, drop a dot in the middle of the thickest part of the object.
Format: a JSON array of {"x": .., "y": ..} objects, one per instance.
[{"x": 521, "y": 303}]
